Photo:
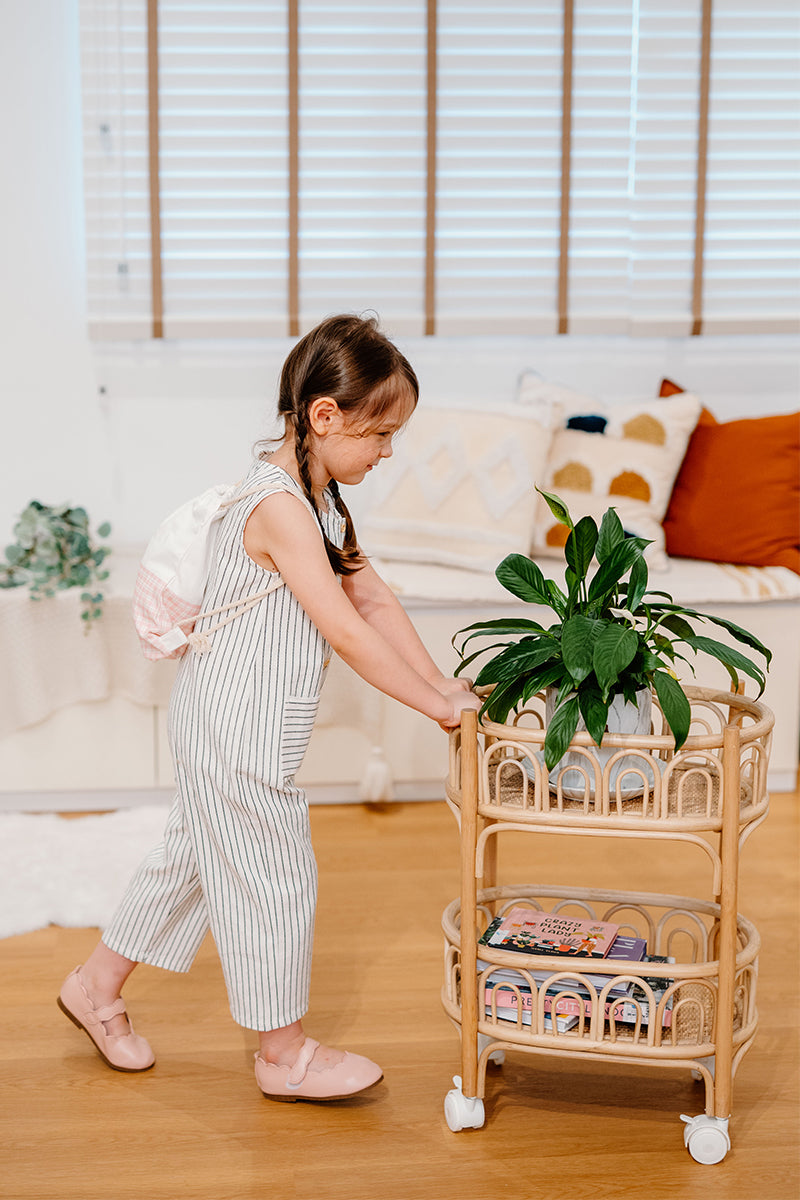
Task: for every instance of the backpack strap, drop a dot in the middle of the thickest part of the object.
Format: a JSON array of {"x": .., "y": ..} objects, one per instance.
[{"x": 200, "y": 641}]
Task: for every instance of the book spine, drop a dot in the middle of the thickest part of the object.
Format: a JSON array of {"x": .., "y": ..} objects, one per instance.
[{"x": 624, "y": 1010}]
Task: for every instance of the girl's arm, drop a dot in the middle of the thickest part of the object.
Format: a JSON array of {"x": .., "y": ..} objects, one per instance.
[
  {"x": 380, "y": 608},
  {"x": 281, "y": 534}
]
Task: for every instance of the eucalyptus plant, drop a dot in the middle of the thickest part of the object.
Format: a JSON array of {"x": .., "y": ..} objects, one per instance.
[
  {"x": 612, "y": 636},
  {"x": 55, "y": 550}
]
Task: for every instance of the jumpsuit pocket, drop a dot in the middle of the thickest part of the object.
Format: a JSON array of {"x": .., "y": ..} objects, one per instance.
[{"x": 299, "y": 714}]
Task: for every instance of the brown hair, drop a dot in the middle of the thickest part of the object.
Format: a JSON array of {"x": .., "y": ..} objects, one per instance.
[{"x": 347, "y": 358}]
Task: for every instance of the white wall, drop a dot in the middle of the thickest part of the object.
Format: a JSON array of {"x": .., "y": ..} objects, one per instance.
[
  {"x": 54, "y": 444},
  {"x": 175, "y": 417}
]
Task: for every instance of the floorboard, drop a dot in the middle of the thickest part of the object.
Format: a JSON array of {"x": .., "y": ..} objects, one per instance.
[{"x": 197, "y": 1128}]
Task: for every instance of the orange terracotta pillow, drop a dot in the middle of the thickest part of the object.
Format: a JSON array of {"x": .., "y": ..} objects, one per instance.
[{"x": 736, "y": 497}]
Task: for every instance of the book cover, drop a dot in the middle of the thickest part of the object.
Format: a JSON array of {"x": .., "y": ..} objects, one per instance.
[{"x": 530, "y": 932}]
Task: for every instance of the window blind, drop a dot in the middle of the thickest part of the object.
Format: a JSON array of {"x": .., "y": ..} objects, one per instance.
[
  {"x": 457, "y": 167},
  {"x": 752, "y": 254}
]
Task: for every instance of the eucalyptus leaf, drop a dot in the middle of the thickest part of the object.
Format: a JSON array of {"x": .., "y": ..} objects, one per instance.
[{"x": 54, "y": 551}]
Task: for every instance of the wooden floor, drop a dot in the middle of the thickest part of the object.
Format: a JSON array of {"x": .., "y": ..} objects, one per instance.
[{"x": 197, "y": 1128}]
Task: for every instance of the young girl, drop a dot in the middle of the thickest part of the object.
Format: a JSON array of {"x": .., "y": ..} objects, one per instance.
[{"x": 236, "y": 856}]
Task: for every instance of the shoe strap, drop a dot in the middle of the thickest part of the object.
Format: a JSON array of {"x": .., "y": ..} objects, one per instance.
[
  {"x": 106, "y": 1012},
  {"x": 302, "y": 1063}
]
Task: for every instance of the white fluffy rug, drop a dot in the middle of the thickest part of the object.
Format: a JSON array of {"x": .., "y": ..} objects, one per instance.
[{"x": 72, "y": 872}]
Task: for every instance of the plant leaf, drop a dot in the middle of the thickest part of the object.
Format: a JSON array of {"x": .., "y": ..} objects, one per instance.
[
  {"x": 517, "y": 660},
  {"x": 548, "y": 675},
  {"x": 637, "y": 584},
  {"x": 501, "y": 625},
  {"x": 558, "y": 508},
  {"x": 577, "y": 645},
  {"x": 741, "y": 635},
  {"x": 610, "y": 535},
  {"x": 579, "y": 548},
  {"x": 674, "y": 704},
  {"x": 609, "y": 573},
  {"x": 521, "y": 576},
  {"x": 677, "y": 625},
  {"x": 465, "y": 662},
  {"x": 498, "y": 705},
  {"x": 561, "y": 731},
  {"x": 594, "y": 710},
  {"x": 558, "y": 601},
  {"x": 731, "y": 659},
  {"x": 614, "y": 648}
]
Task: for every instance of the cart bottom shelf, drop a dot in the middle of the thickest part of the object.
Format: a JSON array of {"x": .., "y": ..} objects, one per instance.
[{"x": 672, "y": 1008}]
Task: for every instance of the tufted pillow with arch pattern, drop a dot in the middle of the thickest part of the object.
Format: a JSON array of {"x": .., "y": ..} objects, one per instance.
[{"x": 624, "y": 454}]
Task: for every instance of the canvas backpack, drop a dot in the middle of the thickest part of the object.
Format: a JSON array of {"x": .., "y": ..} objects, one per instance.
[{"x": 173, "y": 573}]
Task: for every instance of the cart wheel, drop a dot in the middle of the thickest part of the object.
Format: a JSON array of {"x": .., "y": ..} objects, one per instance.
[
  {"x": 460, "y": 1111},
  {"x": 706, "y": 1138},
  {"x": 498, "y": 1057}
]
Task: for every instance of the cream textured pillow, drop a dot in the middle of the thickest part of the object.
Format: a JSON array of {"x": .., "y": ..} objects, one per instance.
[
  {"x": 630, "y": 462},
  {"x": 459, "y": 488}
]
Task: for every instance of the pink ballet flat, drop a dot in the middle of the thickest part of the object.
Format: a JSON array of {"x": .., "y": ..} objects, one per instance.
[
  {"x": 353, "y": 1074},
  {"x": 122, "y": 1052}
]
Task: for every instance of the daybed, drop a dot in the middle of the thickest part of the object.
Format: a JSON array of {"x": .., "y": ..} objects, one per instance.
[{"x": 83, "y": 719}]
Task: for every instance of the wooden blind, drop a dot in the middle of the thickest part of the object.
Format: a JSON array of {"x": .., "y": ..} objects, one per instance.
[{"x": 588, "y": 166}]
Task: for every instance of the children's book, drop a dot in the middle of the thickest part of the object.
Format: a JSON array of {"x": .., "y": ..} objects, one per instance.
[
  {"x": 530, "y": 932},
  {"x": 623, "y": 948},
  {"x": 624, "y": 1010},
  {"x": 564, "y": 1021}
]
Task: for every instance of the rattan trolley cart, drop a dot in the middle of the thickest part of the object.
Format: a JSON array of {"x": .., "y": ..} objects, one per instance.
[{"x": 710, "y": 795}]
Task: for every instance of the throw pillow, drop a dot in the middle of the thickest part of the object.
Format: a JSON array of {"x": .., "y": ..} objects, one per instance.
[
  {"x": 459, "y": 487},
  {"x": 624, "y": 455},
  {"x": 737, "y": 495}
]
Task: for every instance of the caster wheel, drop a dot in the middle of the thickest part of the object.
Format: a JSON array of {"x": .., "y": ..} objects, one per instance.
[
  {"x": 460, "y": 1111},
  {"x": 706, "y": 1138}
]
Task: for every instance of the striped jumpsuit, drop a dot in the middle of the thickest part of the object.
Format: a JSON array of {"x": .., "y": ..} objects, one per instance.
[{"x": 236, "y": 855}]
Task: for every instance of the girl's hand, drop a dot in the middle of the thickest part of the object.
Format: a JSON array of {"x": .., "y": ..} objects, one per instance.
[
  {"x": 450, "y": 687},
  {"x": 459, "y": 700}
]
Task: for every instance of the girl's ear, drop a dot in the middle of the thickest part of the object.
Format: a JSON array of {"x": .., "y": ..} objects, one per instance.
[{"x": 325, "y": 416}]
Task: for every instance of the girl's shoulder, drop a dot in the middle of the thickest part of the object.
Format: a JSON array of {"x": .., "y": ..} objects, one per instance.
[
  {"x": 265, "y": 476},
  {"x": 264, "y": 479}
]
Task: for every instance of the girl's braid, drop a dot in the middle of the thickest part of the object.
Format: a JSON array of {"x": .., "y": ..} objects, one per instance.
[{"x": 344, "y": 561}]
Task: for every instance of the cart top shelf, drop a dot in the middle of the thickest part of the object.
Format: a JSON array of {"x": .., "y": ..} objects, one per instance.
[{"x": 638, "y": 781}]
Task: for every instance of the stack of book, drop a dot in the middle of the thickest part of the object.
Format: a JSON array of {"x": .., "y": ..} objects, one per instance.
[{"x": 523, "y": 930}]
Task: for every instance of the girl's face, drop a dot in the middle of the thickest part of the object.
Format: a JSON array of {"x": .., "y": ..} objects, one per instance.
[{"x": 352, "y": 447}]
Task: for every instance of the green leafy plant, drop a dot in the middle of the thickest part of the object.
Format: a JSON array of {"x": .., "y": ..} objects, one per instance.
[
  {"x": 612, "y": 636},
  {"x": 55, "y": 550}
]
